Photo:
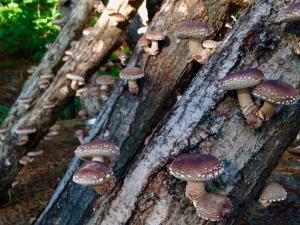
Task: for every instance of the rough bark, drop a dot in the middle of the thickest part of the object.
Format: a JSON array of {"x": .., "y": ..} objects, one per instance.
[
  {"x": 91, "y": 51},
  {"x": 128, "y": 119},
  {"x": 207, "y": 119}
]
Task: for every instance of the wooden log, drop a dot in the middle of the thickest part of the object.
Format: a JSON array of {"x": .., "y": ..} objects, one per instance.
[
  {"x": 127, "y": 119},
  {"x": 90, "y": 52},
  {"x": 207, "y": 119}
]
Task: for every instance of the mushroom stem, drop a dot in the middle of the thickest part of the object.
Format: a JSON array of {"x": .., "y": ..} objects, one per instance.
[
  {"x": 133, "y": 87},
  {"x": 267, "y": 110},
  {"x": 74, "y": 84},
  {"x": 147, "y": 49},
  {"x": 154, "y": 48},
  {"x": 245, "y": 100},
  {"x": 194, "y": 190},
  {"x": 98, "y": 159},
  {"x": 265, "y": 204},
  {"x": 197, "y": 51}
]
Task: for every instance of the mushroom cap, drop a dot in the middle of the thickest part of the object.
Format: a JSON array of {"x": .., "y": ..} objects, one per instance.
[
  {"x": 105, "y": 80},
  {"x": 24, "y": 100},
  {"x": 98, "y": 148},
  {"x": 143, "y": 42},
  {"x": 196, "y": 167},
  {"x": 25, "y": 130},
  {"x": 292, "y": 12},
  {"x": 132, "y": 73},
  {"x": 213, "y": 206},
  {"x": 87, "y": 31},
  {"x": 3, "y": 129},
  {"x": 273, "y": 192},
  {"x": 242, "y": 79},
  {"x": 118, "y": 17},
  {"x": 155, "y": 36},
  {"x": 92, "y": 173},
  {"x": 74, "y": 77},
  {"x": 49, "y": 104},
  {"x": 47, "y": 76},
  {"x": 277, "y": 92},
  {"x": 193, "y": 29}
]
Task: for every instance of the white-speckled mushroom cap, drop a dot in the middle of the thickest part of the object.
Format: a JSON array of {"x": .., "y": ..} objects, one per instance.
[
  {"x": 242, "y": 79},
  {"x": 132, "y": 73},
  {"x": 193, "y": 29},
  {"x": 196, "y": 167},
  {"x": 277, "y": 92},
  {"x": 92, "y": 173},
  {"x": 213, "y": 206},
  {"x": 273, "y": 192},
  {"x": 98, "y": 148}
]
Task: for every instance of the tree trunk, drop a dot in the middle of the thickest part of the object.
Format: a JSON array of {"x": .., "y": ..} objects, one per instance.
[
  {"x": 206, "y": 119},
  {"x": 91, "y": 51},
  {"x": 128, "y": 119}
]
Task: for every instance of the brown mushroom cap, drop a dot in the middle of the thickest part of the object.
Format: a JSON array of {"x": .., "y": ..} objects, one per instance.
[
  {"x": 92, "y": 173},
  {"x": 274, "y": 192},
  {"x": 193, "y": 29},
  {"x": 213, "y": 206},
  {"x": 49, "y": 104},
  {"x": 132, "y": 73},
  {"x": 118, "y": 17},
  {"x": 277, "y": 92},
  {"x": 242, "y": 79},
  {"x": 25, "y": 130},
  {"x": 155, "y": 36},
  {"x": 291, "y": 12},
  {"x": 98, "y": 148},
  {"x": 105, "y": 80},
  {"x": 196, "y": 167}
]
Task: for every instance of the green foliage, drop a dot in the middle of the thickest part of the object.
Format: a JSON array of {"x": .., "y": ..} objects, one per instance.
[
  {"x": 26, "y": 26},
  {"x": 3, "y": 113}
]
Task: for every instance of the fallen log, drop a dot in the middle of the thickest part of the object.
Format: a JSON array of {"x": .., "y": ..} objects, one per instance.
[
  {"x": 90, "y": 51},
  {"x": 128, "y": 119}
]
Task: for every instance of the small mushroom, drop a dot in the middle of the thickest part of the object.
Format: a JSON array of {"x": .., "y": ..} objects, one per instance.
[
  {"x": 24, "y": 131},
  {"x": 273, "y": 192},
  {"x": 43, "y": 83},
  {"x": 49, "y": 104},
  {"x": 132, "y": 74},
  {"x": 76, "y": 80},
  {"x": 31, "y": 70},
  {"x": 25, "y": 101},
  {"x": 35, "y": 153},
  {"x": 98, "y": 150},
  {"x": 80, "y": 135},
  {"x": 3, "y": 131},
  {"x": 116, "y": 18},
  {"x": 155, "y": 37},
  {"x": 69, "y": 52},
  {"x": 25, "y": 160},
  {"x": 80, "y": 91},
  {"x": 99, "y": 6},
  {"x": 241, "y": 81},
  {"x": 213, "y": 206},
  {"x": 196, "y": 169},
  {"x": 95, "y": 174},
  {"x": 83, "y": 114},
  {"x": 88, "y": 31},
  {"x": 47, "y": 76},
  {"x": 104, "y": 81},
  {"x": 196, "y": 32},
  {"x": 144, "y": 42},
  {"x": 274, "y": 92}
]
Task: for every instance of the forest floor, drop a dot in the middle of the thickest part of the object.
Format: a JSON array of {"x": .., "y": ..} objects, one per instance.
[{"x": 37, "y": 181}]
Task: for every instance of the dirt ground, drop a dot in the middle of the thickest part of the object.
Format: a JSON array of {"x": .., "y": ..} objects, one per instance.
[{"x": 38, "y": 180}]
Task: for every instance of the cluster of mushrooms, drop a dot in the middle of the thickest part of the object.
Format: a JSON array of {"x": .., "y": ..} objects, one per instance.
[
  {"x": 98, "y": 171},
  {"x": 273, "y": 92}
]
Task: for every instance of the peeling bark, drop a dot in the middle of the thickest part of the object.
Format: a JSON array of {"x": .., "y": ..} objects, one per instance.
[
  {"x": 90, "y": 52},
  {"x": 128, "y": 119}
]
